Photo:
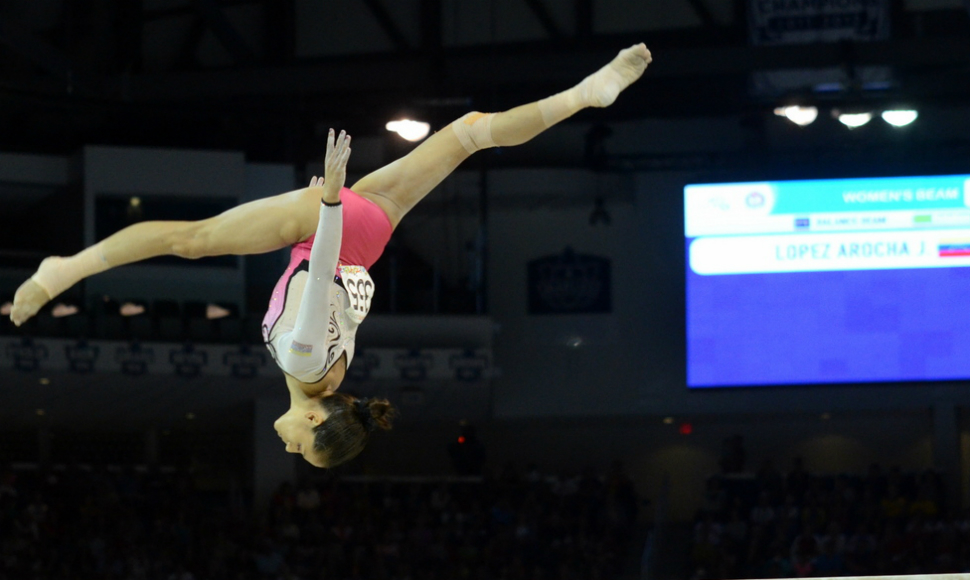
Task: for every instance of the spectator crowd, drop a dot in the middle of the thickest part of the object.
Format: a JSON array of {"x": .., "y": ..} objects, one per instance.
[
  {"x": 774, "y": 525},
  {"x": 129, "y": 525}
]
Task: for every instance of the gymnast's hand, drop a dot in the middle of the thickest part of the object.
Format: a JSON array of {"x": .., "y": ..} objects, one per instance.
[{"x": 338, "y": 152}]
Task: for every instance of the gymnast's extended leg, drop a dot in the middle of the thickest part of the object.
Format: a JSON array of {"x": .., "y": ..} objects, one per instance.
[
  {"x": 252, "y": 228},
  {"x": 399, "y": 186}
]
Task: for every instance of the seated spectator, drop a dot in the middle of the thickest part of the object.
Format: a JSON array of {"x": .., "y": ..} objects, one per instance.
[
  {"x": 798, "y": 480},
  {"x": 715, "y": 497},
  {"x": 926, "y": 502},
  {"x": 706, "y": 551},
  {"x": 308, "y": 498},
  {"x": 861, "y": 550},
  {"x": 804, "y": 550},
  {"x": 834, "y": 537},
  {"x": 770, "y": 479},
  {"x": 894, "y": 505},
  {"x": 778, "y": 566},
  {"x": 762, "y": 514},
  {"x": 829, "y": 561}
]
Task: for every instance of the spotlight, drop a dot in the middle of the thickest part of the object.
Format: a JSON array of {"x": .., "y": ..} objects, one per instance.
[
  {"x": 854, "y": 120},
  {"x": 408, "y": 129},
  {"x": 801, "y": 116},
  {"x": 899, "y": 117}
]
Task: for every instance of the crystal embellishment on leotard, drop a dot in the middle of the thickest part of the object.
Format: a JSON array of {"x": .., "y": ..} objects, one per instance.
[{"x": 300, "y": 349}]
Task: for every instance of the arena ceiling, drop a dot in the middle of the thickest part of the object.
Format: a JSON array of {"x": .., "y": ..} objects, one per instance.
[{"x": 267, "y": 76}]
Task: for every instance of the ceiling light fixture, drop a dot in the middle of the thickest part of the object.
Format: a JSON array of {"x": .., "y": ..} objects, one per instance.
[
  {"x": 854, "y": 120},
  {"x": 899, "y": 117},
  {"x": 801, "y": 116},
  {"x": 408, "y": 129}
]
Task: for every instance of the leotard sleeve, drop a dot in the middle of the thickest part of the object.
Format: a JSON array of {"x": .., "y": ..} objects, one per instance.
[{"x": 302, "y": 351}]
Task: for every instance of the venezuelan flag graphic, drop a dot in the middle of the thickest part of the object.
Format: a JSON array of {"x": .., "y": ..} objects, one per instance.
[{"x": 954, "y": 248}]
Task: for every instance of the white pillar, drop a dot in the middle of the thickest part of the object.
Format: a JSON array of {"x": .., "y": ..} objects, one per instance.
[{"x": 272, "y": 466}]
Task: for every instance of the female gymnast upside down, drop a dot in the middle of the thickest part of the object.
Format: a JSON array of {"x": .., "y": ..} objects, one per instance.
[{"x": 336, "y": 234}]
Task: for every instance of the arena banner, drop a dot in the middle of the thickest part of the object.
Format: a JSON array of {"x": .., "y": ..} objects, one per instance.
[
  {"x": 780, "y": 22},
  {"x": 570, "y": 283},
  {"x": 26, "y": 354}
]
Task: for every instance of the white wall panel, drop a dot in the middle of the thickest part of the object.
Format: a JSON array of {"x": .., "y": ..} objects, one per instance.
[{"x": 35, "y": 169}]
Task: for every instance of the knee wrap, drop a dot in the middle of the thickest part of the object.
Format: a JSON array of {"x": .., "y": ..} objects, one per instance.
[{"x": 474, "y": 130}]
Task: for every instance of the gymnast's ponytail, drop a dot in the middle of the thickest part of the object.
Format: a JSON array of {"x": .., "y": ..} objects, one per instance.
[{"x": 347, "y": 428}]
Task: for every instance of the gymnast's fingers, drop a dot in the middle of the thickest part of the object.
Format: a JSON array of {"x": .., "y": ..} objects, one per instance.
[{"x": 329, "y": 146}]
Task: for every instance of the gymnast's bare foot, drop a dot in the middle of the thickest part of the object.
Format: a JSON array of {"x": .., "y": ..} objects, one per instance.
[
  {"x": 30, "y": 298},
  {"x": 603, "y": 86}
]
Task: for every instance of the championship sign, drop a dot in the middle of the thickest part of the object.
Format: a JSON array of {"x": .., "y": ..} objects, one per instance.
[
  {"x": 776, "y": 22},
  {"x": 569, "y": 283}
]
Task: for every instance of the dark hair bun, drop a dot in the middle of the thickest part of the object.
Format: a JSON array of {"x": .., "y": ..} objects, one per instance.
[{"x": 381, "y": 413}]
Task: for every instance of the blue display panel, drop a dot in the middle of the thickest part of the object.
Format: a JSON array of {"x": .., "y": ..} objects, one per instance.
[{"x": 828, "y": 281}]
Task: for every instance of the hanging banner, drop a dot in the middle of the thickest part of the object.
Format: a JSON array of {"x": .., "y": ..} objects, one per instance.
[
  {"x": 777, "y": 22},
  {"x": 570, "y": 283}
]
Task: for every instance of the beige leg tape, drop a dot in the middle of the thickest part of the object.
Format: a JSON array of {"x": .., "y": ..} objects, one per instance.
[{"x": 474, "y": 130}]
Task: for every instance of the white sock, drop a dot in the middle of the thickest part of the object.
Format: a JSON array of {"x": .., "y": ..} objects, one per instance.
[
  {"x": 57, "y": 274},
  {"x": 599, "y": 89}
]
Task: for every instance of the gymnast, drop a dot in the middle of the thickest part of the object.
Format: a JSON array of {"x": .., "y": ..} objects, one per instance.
[{"x": 335, "y": 235}]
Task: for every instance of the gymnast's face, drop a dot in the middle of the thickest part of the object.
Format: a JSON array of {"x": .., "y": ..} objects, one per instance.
[{"x": 295, "y": 428}]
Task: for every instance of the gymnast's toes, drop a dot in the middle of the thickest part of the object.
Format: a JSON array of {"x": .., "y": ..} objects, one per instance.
[{"x": 30, "y": 298}]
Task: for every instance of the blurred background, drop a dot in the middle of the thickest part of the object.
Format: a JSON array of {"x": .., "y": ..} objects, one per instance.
[{"x": 529, "y": 321}]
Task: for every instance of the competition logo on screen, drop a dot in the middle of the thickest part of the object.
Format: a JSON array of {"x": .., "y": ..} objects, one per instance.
[{"x": 755, "y": 199}]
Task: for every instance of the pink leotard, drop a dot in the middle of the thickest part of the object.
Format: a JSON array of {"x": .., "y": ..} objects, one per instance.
[{"x": 308, "y": 335}]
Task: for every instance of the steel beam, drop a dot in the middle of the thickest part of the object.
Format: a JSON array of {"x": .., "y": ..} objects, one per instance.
[
  {"x": 541, "y": 13},
  {"x": 521, "y": 67},
  {"x": 186, "y": 56},
  {"x": 703, "y": 12},
  {"x": 163, "y": 13},
  {"x": 386, "y": 22},
  {"x": 13, "y": 34},
  {"x": 224, "y": 31}
]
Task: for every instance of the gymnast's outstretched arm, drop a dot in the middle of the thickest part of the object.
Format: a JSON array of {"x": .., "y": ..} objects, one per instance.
[
  {"x": 256, "y": 227},
  {"x": 301, "y": 352}
]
